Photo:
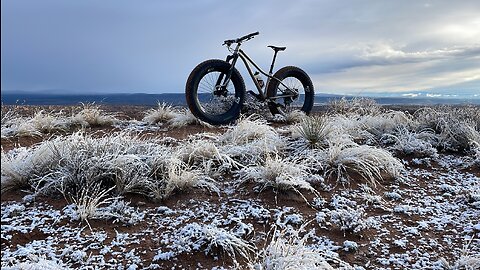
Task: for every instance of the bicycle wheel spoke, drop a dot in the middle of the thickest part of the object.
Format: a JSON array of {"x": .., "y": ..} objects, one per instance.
[{"x": 211, "y": 100}]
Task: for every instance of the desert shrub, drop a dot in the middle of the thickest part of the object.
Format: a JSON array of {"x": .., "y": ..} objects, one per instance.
[
  {"x": 279, "y": 174},
  {"x": 164, "y": 112},
  {"x": 289, "y": 250},
  {"x": 180, "y": 177},
  {"x": 185, "y": 118},
  {"x": 407, "y": 142},
  {"x": 370, "y": 163},
  {"x": 290, "y": 117},
  {"x": 456, "y": 127},
  {"x": 92, "y": 115},
  {"x": 127, "y": 163},
  {"x": 350, "y": 220},
  {"x": 315, "y": 130},
  {"x": 358, "y": 106},
  {"x": 195, "y": 236},
  {"x": 205, "y": 154},
  {"x": 251, "y": 141}
]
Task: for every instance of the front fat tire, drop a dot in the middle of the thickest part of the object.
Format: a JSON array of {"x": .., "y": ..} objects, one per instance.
[
  {"x": 295, "y": 72},
  {"x": 191, "y": 92}
]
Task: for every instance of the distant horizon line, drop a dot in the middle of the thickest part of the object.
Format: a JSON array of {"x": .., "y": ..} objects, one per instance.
[{"x": 406, "y": 94}]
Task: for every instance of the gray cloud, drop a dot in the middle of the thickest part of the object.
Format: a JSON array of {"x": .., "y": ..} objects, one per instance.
[{"x": 151, "y": 46}]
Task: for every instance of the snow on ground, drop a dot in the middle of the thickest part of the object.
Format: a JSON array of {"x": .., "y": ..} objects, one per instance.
[
  {"x": 428, "y": 215},
  {"x": 426, "y": 218}
]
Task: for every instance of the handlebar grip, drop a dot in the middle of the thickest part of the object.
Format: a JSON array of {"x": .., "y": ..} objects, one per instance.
[
  {"x": 249, "y": 36},
  {"x": 240, "y": 39}
]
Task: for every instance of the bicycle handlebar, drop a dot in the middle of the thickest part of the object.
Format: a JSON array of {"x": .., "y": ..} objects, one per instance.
[{"x": 240, "y": 39}]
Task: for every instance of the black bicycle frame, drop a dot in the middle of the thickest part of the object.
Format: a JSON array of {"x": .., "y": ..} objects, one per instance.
[{"x": 246, "y": 60}]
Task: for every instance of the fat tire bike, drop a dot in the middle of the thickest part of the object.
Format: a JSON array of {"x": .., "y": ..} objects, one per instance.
[{"x": 215, "y": 90}]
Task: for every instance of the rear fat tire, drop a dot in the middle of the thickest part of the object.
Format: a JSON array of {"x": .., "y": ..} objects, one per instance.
[
  {"x": 191, "y": 92},
  {"x": 295, "y": 72}
]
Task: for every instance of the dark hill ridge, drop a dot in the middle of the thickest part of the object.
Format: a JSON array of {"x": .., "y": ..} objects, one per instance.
[{"x": 25, "y": 98}]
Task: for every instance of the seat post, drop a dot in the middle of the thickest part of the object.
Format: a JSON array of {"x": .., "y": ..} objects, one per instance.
[{"x": 273, "y": 62}]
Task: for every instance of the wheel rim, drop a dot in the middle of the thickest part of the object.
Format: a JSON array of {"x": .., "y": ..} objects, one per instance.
[
  {"x": 291, "y": 103},
  {"x": 213, "y": 100}
]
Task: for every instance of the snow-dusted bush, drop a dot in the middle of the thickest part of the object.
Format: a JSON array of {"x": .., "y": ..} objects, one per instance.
[
  {"x": 125, "y": 162},
  {"x": 206, "y": 154},
  {"x": 279, "y": 174},
  {"x": 164, "y": 112},
  {"x": 89, "y": 199},
  {"x": 185, "y": 118},
  {"x": 465, "y": 262},
  {"x": 195, "y": 236},
  {"x": 359, "y": 106},
  {"x": 404, "y": 141},
  {"x": 48, "y": 122},
  {"x": 370, "y": 163},
  {"x": 250, "y": 141},
  {"x": 290, "y": 117},
  {"x": 456, "y": 127},
  {"x": 316, "y": 130},
  {"x": 384, "y": 123},
  {"x": 289, "y": 250},
  {"x": 181, "y": 177},
  {"x": 92, "y": 115},
  {"x": 350, "y": 219}
]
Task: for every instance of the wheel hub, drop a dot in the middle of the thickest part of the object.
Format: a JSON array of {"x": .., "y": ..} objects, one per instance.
[
  {"x": 293, "y": 95},
  {"x": 220, "y": 91}
]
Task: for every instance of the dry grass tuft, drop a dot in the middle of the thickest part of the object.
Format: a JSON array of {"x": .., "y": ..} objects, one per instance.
[
  {"x": 251, "y": 141},
  {"x": 279, "y": 174},
  {"x": 358, "y": 106},
  {"x": 92, "y": 116},
  {"x": 370, "y": 163},
  {"x": 287, "y": 250},
  {"x": 164, "y": 112},
  {"x": 196, "y": 236},
  {"x": 316, "y": 130}
]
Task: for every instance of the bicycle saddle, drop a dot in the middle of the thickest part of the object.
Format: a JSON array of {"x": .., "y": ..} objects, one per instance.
[{"x": 275, "y": 48}]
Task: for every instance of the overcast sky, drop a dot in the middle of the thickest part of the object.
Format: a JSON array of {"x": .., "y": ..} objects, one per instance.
[{"x": 348, "y": 47}]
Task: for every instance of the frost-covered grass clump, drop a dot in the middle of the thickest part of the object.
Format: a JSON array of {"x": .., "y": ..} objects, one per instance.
[
  {"x": 120, "y": 161},
  {"x": 406, "y": 142},
  {"x": 92, "y": 115},
  {"x": 289, "y": 250},
  {"x": 316, "y": 130},
  {"x": 163, "y": 113},
  {"x": 42, "y": 122},
  {"x": 206, "y": 154},
  {"x": 279, "y": 174},
  {"x": 251, "y": 141},
  {"x": 455, "y": 127},
  {"x": 290, "y": 117},
  {"x": 173, "y": 117},
  {"x": 350, "y": 219},
  {"x": 195, "y": 236},
  {"x": 47, "y": 122},
  {"x": 354, "y": 106},
  {"x": 348, "y": 162}
]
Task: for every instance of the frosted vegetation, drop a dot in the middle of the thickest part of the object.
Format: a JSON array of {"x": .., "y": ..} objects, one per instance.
[{"x": 340, "y": 168}]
